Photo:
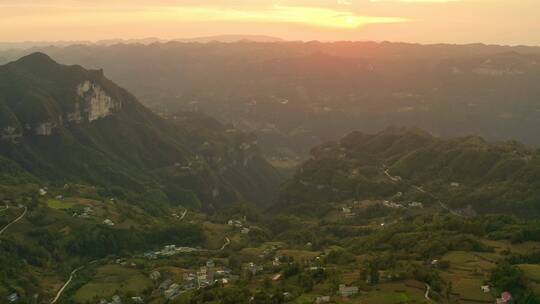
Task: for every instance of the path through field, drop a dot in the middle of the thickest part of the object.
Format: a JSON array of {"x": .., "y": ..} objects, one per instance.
[
  {"x": 14, "y": 221},
  {"x": 227, "y": 242},
  {"x": 61, "y": 290}
]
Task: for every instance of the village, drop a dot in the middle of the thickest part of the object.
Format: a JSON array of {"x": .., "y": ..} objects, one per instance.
[{"x": 232, "y": 257}]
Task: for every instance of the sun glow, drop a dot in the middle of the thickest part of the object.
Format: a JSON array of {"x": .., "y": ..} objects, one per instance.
[
  {"x": 311, "y": 16},
  {"x": 290, "y": 14},
  {"x": 427, "y": 21}
]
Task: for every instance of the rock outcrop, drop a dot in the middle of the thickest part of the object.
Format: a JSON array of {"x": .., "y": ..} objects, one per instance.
[
  {"x": 10, "y": 133},
  {"x": 93, "y": 103},
  {"x": 97, "y": 103}
]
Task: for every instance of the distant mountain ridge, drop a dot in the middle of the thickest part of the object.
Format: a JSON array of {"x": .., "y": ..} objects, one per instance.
[
  {"x": 288, "y": 93},
  {"x": 66, "y": 123},
  {"x": 231, "y": 38},
  {"x": 148, "y": 40}
]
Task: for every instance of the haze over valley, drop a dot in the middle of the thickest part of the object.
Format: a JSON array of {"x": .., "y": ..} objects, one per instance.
[{"x": 269, "y": 152}]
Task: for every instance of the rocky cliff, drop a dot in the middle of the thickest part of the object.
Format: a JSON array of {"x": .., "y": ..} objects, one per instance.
[
  {"x": 29, "y": 108},
  {"x": 67, "y": 123}
]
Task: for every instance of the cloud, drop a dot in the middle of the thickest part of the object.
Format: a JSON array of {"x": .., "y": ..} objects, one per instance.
[
  {"x": 460, "y": 21},
  {"x": 58, "y": 12}
]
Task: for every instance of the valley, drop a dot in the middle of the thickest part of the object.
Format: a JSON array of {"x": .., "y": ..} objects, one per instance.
[
  {"x": 269, "y": 152},
  {"x": 295, "y": 258},
  {"x": 104, "y": 201}
]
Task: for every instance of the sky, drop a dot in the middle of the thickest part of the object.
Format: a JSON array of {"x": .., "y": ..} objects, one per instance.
[{"x": 508, "y": 22}]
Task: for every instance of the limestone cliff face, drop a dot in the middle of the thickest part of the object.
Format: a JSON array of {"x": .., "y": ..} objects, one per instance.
[
  {"x": 96, "y": 102},
  {"x": 92, "y": 103},
  {"x": 75, "y": 116},
  {"x": 39, "y": 97}
]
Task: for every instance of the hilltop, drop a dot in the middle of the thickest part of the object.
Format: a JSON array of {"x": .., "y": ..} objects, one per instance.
[{"x": 467, "y": 175}]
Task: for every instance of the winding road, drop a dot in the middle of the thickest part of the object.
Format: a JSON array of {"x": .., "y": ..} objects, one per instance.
[
  {"x": 227, "y": 242},
  {"x": 396, "y": 179},
  {"x": 14, "y": 221},
  {"x": 393, "y": 178},
  {"x": 61, "y": 290},
  {"x": 426, "y": 295},
  {"x": 183, "y": 215},
  {"x": 443, "y": 205}
]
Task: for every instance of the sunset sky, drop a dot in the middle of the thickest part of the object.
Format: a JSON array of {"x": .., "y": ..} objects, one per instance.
[{"x": 426, "y": 21}]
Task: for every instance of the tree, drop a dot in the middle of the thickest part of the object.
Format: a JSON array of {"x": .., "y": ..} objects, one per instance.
[{"x": 507, "y": 277}]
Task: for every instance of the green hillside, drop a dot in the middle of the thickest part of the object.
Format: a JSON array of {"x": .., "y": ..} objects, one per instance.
[
  {"x": 65, "y": 123},
  {"x": 467, "y": 175}
]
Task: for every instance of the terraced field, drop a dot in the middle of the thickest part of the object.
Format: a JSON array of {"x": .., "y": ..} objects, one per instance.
[
  {"x": 468, "y": 272},
  {"x": 394, "y": 293},
  {"x": 532, "y": 272},
  {"x": 111, "y": 279}
]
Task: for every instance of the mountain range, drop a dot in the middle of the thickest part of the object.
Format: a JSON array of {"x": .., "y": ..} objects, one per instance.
[
  {"x": 148, "y": 40},
  {"x": 295, "y": 95},
  {"x": 65, "y": 123}
]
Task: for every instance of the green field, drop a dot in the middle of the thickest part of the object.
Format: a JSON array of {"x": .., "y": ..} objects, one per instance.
[
  {"x": 468, "y": 272},
  {"x": 469, "y": 289},
  {"x": 532, "y": 271},
  {"x": 393, "y": 293},
  {"x": 110, "y": 280},
  {"x": 469, "y": 261},
  {"x": 59, "y": 205},
  {"x": 305, "y": 299},
  {"x": 520, "y": 248},
  {"x": 216, "y": 233},
  {"x": 299, "y": 255}
]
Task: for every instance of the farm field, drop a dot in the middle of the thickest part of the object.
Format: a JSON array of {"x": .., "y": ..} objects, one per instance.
[
  {"x": 393, "y": 293},
  {"x": 468, "y": 272},
  {"x": 532, "y": 272},
  {"x": 109, "y": 280},
  {"x": 59, "y": 204}
]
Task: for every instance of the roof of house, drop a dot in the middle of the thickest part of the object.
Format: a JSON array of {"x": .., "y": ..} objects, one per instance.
[{"x": 506, "y": 296}]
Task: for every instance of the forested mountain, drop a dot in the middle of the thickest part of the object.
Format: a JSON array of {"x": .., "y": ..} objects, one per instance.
[
  {"x": 67, "y": 124},
  {"x": 466, "y": 175},
  {"x": 295, "y": 95}
]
